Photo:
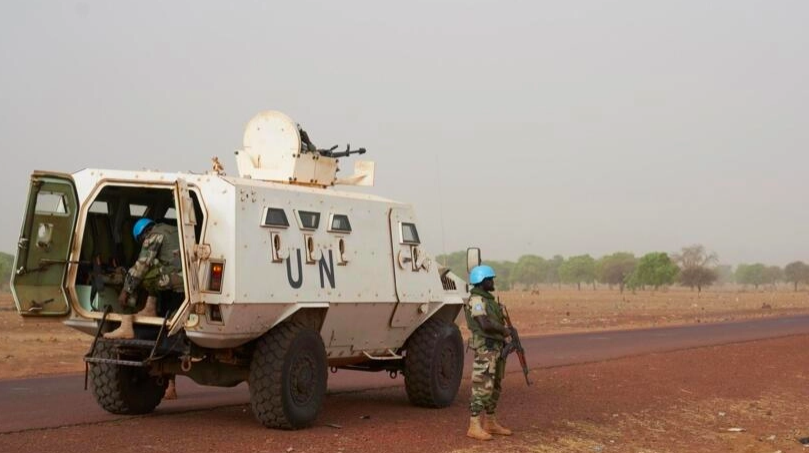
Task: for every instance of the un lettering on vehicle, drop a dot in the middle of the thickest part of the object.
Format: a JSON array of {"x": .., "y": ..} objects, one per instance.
[{"x": 325, "y": 269}]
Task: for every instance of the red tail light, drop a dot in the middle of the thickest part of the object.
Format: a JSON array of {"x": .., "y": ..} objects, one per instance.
[{"x": 215, "y": 280}]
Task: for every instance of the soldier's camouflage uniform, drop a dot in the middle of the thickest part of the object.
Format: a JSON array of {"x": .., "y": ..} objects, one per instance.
[
  {"x": 158, "y": 267},
  {"x": 488, "y": 367}
]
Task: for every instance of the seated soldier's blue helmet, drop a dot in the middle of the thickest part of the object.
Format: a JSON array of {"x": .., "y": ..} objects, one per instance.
[
  {"x": 480, "y": 273},
  {"x": 140, "y": 226}
]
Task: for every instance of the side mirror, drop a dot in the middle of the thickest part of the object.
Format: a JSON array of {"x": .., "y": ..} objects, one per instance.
[{"x": 472, "y": 258}]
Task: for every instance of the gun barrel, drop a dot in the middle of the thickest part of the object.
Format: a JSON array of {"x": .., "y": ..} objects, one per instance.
[{"x": 348, "y": 153}]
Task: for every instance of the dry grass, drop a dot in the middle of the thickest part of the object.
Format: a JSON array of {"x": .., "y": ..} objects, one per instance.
[{"x": 568, "y": 310}]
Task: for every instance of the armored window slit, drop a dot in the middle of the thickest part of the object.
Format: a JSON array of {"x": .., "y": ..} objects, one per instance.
[
  {"x": 274, "y": 217},
  {"x": 409, "y": 233},
  {"x": 308, "y": 220},
  {"x": 339, "y": 223}
]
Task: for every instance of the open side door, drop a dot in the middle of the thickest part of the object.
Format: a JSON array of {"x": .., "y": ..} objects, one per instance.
[
  {"x": 43, "y": 251},
  {"x": 186, "y": 222}
]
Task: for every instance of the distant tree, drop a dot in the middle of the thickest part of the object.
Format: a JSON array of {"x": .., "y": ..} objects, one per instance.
[
  {"x": 552, "y": 274},
  {"x": 751, "y": 274},
  {"x": 694, "y": 256},
  {"x": 773, "y": 275},
  {"x": 654, "y": 269},
  {"x": 724, "y": 273},
  {"x": 6, "y": 264},
  {"x": 503, "y": 270},
  {"x": 455, "y": 261},
  {"x": 578, "y": 269},
  {"x": 529, "y": 271},
  {"x": 740, "y": 274},
  {"x": 696, "y": 266},
  {"x": 615, "y": 269},
  {"x": 697, "y": 277},
  {"x": 796, "y": 272}
]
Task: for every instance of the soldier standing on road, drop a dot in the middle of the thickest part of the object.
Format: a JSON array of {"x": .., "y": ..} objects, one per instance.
[
  {"x": 484, "y": 317},
  {"x": 157, "y": 269}
]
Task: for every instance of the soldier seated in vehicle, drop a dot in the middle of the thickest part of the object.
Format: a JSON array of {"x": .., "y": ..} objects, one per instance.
[{"x": 157, "y": 269}]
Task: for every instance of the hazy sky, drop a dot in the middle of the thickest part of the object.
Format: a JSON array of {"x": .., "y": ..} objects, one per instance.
[{"x": 528, "y": 127}]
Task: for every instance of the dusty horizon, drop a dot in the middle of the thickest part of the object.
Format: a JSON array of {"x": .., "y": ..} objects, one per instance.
[{"x": 518, "y": 127}]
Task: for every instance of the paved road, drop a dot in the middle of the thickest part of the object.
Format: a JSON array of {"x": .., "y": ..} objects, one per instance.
[{"x": 38, "y": 403}]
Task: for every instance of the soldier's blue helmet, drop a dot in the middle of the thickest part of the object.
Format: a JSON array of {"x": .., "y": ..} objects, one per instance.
[
  {"x": 480, "y": 273},
  {"x": 140, "y": 226}
]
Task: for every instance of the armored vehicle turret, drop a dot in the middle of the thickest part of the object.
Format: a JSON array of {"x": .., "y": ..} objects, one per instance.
[{"x": 283, "y": 277}]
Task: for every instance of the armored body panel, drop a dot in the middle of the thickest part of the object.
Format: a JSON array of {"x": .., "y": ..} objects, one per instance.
[
  {"x": 283, "y": 248},
  {"x": 283, "y": 276}
]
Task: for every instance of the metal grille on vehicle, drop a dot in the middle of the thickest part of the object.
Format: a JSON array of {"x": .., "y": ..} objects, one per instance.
[{"x": 447, "y": 283}]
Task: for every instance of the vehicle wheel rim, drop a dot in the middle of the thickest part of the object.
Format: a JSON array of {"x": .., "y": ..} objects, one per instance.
[{"x": 302, "y": 379}]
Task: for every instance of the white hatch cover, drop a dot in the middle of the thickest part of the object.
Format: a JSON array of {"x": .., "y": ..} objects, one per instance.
[
  {"x": 271, "y": 146},
  {"x": 270, "y": 136}
]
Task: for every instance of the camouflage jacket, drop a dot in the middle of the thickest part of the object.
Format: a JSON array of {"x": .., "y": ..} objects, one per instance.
[
  {"x": 482, "y": 303},
  {"x": 161, "y": 249}
]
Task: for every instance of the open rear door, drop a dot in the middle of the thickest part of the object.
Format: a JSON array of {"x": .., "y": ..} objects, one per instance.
[
  {"x": 186, "y": 223},
  {"x": 43, "y": 251}
]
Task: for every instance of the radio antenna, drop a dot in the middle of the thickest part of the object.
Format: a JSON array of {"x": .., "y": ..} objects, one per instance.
[{"x": 440, "y": 208}]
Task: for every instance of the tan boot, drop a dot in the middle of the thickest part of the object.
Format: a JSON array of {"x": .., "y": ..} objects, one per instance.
[
  {"x": 171, "y": 391},
  {"x": 490, "y": 425},
  {"x": 476, "y": 431},
  {"x": 150, "y": 309},
  {"x": 124, "y": 331}
]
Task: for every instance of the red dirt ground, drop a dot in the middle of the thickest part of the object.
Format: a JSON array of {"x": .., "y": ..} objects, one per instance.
[{"x": 684, "y": 401}]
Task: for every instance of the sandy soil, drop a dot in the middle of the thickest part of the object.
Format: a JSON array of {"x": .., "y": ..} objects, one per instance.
[
  {"x": 560, "y": 311},
  {"x": 37, "y": 346},
  {"x": 34, "y": 346},
  {"x": 685, "y": 401}
]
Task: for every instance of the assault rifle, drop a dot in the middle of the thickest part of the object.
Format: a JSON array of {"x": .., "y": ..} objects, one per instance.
[{"x": 515, "y": 345}]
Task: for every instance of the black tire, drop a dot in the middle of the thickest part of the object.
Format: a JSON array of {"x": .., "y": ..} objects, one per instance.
[
  {"x": 124, "y": 390},
  {"x": 434, "y": 364},
  {"x": 288, "y": 377}
]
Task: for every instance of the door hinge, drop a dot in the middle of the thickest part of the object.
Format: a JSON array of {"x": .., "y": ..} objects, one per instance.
[{"x": 202, "y": 251}]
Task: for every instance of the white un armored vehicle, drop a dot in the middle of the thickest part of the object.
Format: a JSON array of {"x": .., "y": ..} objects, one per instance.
[{"x": 284, "y": 278}]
